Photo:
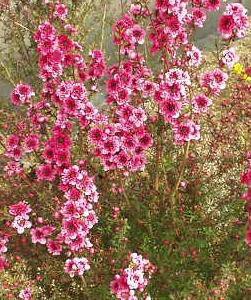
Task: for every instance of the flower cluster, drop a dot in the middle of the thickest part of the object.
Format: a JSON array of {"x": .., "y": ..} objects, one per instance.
[
  {"x": 22, "y": 94},
  {"x": 49, "y": 138},
  {"x": 19, "y": 144},
  {"x": 72, "y": 99},
  {"x": 128, "y": 35},
  {"x": 171, "y": 93},
  {"x": 234, "y": 22},
  {"x": 132, "y": 280},
  {"x": 97, "y": 65},
  {"x": 214, "y": 81},
  {"x": 246, "y": 180},
  {"x": 123, "y": 144},
  {"x": 77, "y": 219},
  {"x": 20, "y": 211},
  {"x": 76, "y": 266},
  {"x": 169, "y": 25},
  {"x": 185, "y": 131},
  {"x": 129, "y": 81},
  {"x": 173, "y": 20},
  {"x": 78, "y": 215},
  {"x": 56, "y": 52}
]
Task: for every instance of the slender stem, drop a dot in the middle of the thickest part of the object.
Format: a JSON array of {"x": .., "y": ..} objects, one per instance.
[
  {"x": 2, "y": 144},
  {"x": 103, "y": 27},
  {"x": 122, "y": 9},
  {"x": 7, "y": 72},
  {"x": 22, "y": 26},
  {"x": 119, "y": 54},
  {"x": 159, "y": 154},
  {"x": 181, "y": 172},
  {"x": 124, "y": 192}
]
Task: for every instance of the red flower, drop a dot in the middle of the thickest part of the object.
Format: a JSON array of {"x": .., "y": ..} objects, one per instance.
[{"x": 226, "y": 25}]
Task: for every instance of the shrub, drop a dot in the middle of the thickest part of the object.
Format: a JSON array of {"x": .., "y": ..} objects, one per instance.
[{"x": 99, "y": 200}]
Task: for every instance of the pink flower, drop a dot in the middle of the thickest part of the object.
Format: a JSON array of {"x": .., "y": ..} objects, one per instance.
[
  {"x": 45, "y": 172},
  {"x": 65, "y": 43},
  {"x": 61, "y": 140},
  {"x": 20, "y": 209},
  {"x": 22, "y": 94},
  {"x": 13, "y": 141},
  {"x": 54, "y": 247},
  {"x": 135, "y": 35},
  {"x": 63, "y": 157},
  {"x": 15, "y": 153},
  {"x": 73, "y": 194},
  {"x": 39, "y": 234},
  {"x": 219, "y": 79},
  {"x": 226, "y": 25},
  {"x": 186, "y": 131},
  {"x": 96, "y": 135},
  {"x": 70, "y": 209},
  {"x": 72, "y": 227},
  {"x": 201, "y": 103},
  {"x": 76, "y": 266},
  {"x": 234, "y": 22},
  {"x": 133, "y": 279},
  {"x": 170, "y": 109},
  {"x": 78, "y": 243},
  {"x": 25, "y": 294},
  {"x": 145, "y": 141},
  {"x": 71, "y": 175},
  {"x": 212, "y": 4},
  {"x": 21, "y": 223},
  {"x": 229, "y": 57},
  {"x": 215, "y": 80},
  {"x": 119, "y": 287},
  {"x": 31, "y": 143},
  {"x": 199, "y": 16},
  {"x": 49, "y": 154},
  {"x": 137, "y": 163},
  {"x": 46, "y": 31},
  {"x": 61, "y": 11},
  {"x": 194, "y": 57}
]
